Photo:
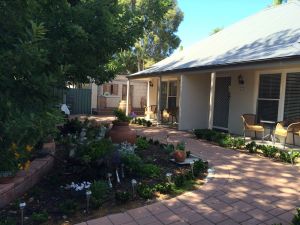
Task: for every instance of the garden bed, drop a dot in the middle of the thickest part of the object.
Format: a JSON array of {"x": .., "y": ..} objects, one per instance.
[{"x": 54, "y": 201}]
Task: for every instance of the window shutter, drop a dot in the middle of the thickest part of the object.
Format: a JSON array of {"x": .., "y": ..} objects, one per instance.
[
  {"x": 292, "y": 96},
  {"x": 115, "y": 89},
  {"x": 269, "y": 94}
]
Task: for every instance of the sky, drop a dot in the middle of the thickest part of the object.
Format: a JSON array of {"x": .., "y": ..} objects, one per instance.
[{"x": 202, "y": 16}]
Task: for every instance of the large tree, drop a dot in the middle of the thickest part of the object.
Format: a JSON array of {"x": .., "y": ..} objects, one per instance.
[
  {"x": 162, "y": 19},
  {"x": 46, "y": 43}
]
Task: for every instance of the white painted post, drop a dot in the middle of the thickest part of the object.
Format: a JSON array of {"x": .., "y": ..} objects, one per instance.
[
  {"x": 158, "y": 100},
  {"x": 127, "y": 99},
  {"x": 148, "y": 100},
  {"x": 180, "y": 118},
  {"x": 211, "y": 99},
  {"x": 282, "y": 97}
]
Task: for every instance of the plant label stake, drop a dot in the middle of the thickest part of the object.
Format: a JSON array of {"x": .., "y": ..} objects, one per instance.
[
  {"x": 192, "y": 167},
  {"x": 133, "y": 183},
  {"x": 117, "y": 175},
  {"x": 122, "y": 171},
  {"x": 169, "y": 177},
  {"x": 88, "y": 194},
  {"x": 109, "y": 180},
  {"x": 22, "y": 207}
]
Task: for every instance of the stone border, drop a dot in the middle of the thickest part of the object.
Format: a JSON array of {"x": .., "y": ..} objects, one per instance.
[{"x": 24, "y": 180}]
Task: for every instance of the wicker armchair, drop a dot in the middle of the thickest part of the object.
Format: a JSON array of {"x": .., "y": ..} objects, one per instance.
[
  {"x": 151, "y": 111},
  {"x": 281, "y": 131},
  {"x": 249, "y": 122}
]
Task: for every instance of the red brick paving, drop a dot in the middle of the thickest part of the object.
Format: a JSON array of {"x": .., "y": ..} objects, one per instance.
[{"x": 245, "y": 189}]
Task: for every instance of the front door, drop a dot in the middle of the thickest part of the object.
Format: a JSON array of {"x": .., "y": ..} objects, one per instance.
[{"x": 221, "y": 106}]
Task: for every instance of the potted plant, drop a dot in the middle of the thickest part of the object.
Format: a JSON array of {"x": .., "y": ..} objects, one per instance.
[
  {"x": 120, "y": 131},
  {"x": 180, "y": 153}
]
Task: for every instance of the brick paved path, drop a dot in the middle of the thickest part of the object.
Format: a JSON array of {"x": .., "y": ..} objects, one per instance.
[{"x": 244, "y": 190}]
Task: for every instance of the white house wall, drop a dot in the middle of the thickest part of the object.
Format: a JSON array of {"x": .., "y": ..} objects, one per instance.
[
  {"x": 194, "y": 101},
  {"x": 242, "y": 99}
]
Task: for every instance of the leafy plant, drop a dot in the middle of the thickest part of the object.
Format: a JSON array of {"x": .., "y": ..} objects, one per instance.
[
  {"x": 73, "y": 126},
  {"x": 268, "y": 151},
  {"x": 238, "y": 143},
  {"x": 296, "y": 219},
  {"x": 145, "y": 191},
  {"x": 100, "y": 192},
  {"x": 148, "y": 123},
  {"x": 288, "y": 156},
  {"x": 150, "y": 170},
  {"x": 132, "y": 162},
  {"x": 68, "y": 206},
  {"x": 122, "y": 196},
  {"x": 168, "y": 148},
  {"x": 96, "y": 150},
  {"x": 251, "y": 147},
  {"x": 179, "y": 180},
  {"x": 180, "y": 146},
  {"x": 8, "y": 221},
  {"x": 40, "y": 217},
  {"x": 142, "y": 143},
  {"x": 199, "y": 167},
  {"x": 165, "y": 188},
  {"x": 121, "y": 116}
]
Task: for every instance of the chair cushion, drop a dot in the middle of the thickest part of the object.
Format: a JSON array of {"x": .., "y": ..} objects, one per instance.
[
  {"x": 281, "y": 132},
  {"x": 255, "y": 128}
]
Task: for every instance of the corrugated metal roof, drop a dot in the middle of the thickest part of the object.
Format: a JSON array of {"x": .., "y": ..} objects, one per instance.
[{"x": 271, "y": 33}]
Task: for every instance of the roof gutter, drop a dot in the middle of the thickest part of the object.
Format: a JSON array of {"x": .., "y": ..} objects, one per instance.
[{"x": 281, "y": 61}]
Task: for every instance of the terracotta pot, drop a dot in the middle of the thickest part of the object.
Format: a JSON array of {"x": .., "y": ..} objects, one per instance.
[
  {"x": 121, "y": 132},
  {"x": 179, "y": 156}
]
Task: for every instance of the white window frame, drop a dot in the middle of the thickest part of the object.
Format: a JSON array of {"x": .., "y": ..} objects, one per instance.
[{"x": 281, "y": 103}]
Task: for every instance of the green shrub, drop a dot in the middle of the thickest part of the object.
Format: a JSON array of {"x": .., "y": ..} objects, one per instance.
[
  {"x": 68, "y": 206},
  {"x": 165, "y": 188},
  {"x": 100, "y": 192},
  {"x": 225, "y": 141},
  {"x": 180, "y": 146},
  {"x": 121, "y": 116},
  {"x": 139, "y": 121},
  {"x": 288, "y": 156},
  {"x": 96, "y": 150},
  {"x": 39, "y": 218},
  {"x": 150, "y": 170},
  {"x": 142, "y": 143},
  {"x": 199, "y": 167},
  {"x": 148, "y": 123},
  {"x": 251, "y": 147},
  {"x": 238, "y": 143},
  {"x": 132, "y": 162},
  {"x": 179, "y": 180},
  {"x": 8, "y": 221},
  {"x": 268, "y": 151},
  {"x": 145, "y": 191},
  {"x": 122, "y": 196},
  {"x": 296, "y": 219},
  {"x": 73, "y": 126},
  {"x": 168, "y": 148}
]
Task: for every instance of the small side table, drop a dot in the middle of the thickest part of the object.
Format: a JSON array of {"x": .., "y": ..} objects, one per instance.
[{"x": 270, "y": 125}]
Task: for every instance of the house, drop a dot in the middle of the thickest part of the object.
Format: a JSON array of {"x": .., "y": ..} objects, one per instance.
[
  {"x": 253, "y": 66},
  {"x": 112, "y": 95}
]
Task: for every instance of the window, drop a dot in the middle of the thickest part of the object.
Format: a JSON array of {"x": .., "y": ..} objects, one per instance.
[
  {"x": 292, "y": 96},
  {"x": 168, "y": 94},
  {"x": 124, "y": 91},
  {"x": 268, "y": 97},
  {"x": 172, "y": 95},
  {"x": 110, "y": 89}
]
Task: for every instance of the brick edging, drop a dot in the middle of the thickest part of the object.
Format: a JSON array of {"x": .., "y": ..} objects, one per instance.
[{"x": 24, "y": 180}]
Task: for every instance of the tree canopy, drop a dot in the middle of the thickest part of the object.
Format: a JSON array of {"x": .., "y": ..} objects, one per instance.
[
  {"x": 46, "y": 43},
  {"x": 162, "y": 19}
]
